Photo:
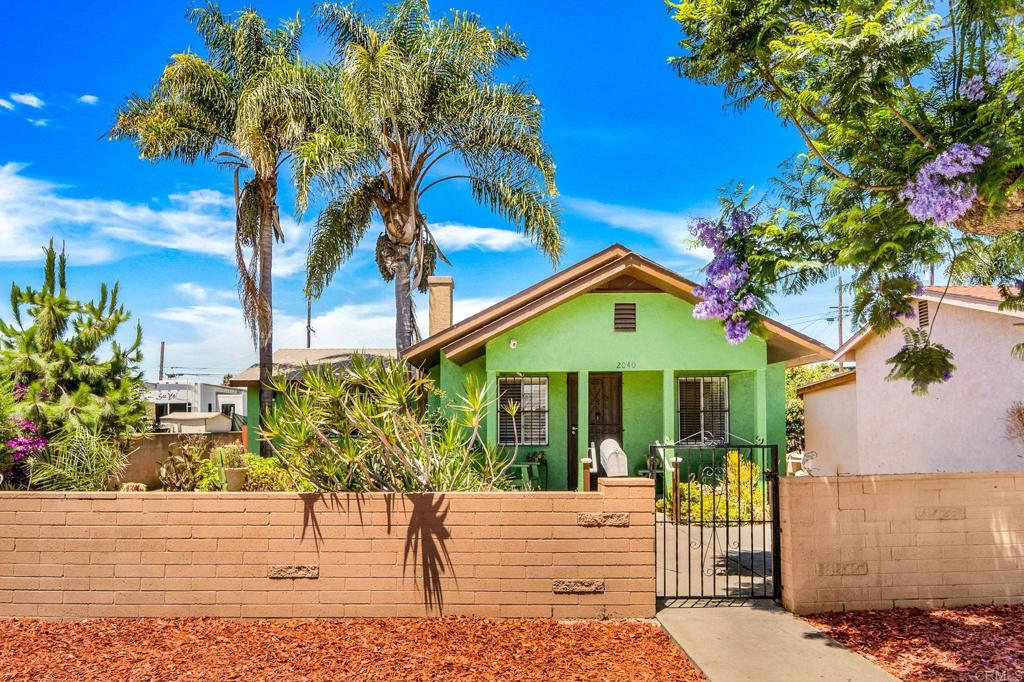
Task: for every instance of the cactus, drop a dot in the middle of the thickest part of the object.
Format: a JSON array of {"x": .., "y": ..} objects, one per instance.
[{"x": 222, "y": 479}]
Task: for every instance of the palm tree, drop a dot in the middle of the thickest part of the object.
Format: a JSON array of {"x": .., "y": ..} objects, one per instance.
[
  {"x": 245, "y": 106},
  {"x": 409, "y": 92}
]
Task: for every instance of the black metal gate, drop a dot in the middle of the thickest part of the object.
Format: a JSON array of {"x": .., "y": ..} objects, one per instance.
[{"x": 717, "y": 521}]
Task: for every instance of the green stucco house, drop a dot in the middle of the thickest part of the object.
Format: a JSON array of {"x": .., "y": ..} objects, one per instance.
[{"x": 609, "y": 348}]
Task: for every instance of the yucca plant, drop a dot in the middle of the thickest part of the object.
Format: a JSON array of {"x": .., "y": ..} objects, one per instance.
[
  {"x": 411, "y": 93},
  {"x": 368, "y": 428},
  {"x": 78, "y": 459}
]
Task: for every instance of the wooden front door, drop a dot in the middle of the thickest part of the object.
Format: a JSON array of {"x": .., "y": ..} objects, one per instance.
[{"x": 604, "y": 419}]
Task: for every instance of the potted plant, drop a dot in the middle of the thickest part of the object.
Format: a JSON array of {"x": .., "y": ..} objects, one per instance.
[{"x": 231, "y": 466}]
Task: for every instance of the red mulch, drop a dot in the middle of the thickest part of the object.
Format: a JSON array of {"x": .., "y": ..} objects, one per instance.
[
  {"x": 363, "y": 649},
  {"x": 970, "y": 644}
]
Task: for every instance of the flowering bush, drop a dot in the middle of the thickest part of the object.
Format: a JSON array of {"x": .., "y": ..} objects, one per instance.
[
  {"x": 725, "y": 293},
  {"x": 913, "y": 142}
]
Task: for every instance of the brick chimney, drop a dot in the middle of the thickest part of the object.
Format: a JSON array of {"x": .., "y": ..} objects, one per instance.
[{"x": 440, "y": 303}]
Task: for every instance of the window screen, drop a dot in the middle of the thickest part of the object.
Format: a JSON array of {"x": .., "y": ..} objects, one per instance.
[
  {"x": 530, "y": 425},
  {"x": 703, "y": 410}
]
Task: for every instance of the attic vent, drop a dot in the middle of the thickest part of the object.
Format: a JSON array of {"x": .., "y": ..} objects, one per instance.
[
  {"x": 625, "y": 317},
  {"x": 922, "y": 314}
]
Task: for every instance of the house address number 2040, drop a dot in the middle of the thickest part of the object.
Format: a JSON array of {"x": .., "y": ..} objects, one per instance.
[{"x": 625, "y": 364}]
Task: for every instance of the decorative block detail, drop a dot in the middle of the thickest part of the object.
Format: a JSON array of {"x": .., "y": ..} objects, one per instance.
[
  {"x": 940, "y": 513},
  {"x": 578, "y": 586},
  {"x": 843, "y": 568},
  {"x": 590, "y": 520},
  {"x": 292, "y": 572}
]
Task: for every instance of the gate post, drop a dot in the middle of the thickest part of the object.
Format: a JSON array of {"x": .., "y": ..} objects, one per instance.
[{"x": 776, "y": 523}]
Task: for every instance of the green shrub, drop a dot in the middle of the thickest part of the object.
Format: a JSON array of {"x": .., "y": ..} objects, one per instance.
[
  {"x": 366, "y": 428},
  {"x": 733, "y": 492},
  {"x": 207, "y": 477},
  {"x": 78, "y": 459},
  {"x": 186, "y": 457},
  {"x": 267, "y": 474},
  {"x": 233, "y": 455}
]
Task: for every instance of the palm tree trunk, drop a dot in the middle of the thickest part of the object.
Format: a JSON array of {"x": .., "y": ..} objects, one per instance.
[
  {"x": 266, "y": 331},
  {"x": 405, "y": 325}
]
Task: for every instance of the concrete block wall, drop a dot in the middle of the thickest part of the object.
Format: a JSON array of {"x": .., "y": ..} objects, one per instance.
[
  {"x": 285, "y": 555},
  {"x": 921, "y": 540}
]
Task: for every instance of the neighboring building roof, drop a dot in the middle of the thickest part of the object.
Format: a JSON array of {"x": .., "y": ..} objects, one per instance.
[
  {"x": 290, "y": 362},
  {"x": 192, "y": 416},
  {"x": 613, "y": 269},
  {"x": 847, "y": 377},
  {"x": 984, "y": 298}
]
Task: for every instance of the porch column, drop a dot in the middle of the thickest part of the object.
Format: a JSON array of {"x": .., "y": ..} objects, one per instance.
[
  {"x": 583, "y": 423},
  {"x": 491, "y": 423},
  {"x": 668, "y": 415}
]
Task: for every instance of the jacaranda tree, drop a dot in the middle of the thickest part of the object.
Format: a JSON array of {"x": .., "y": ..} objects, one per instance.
[
  {"x": 413, "y": 95},
  {"x": 913, "y": 136},
  {"x": 245, "y": 105}
]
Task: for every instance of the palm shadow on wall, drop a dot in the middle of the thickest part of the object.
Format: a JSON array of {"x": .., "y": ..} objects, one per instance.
[{"x": 426, "y": 549}]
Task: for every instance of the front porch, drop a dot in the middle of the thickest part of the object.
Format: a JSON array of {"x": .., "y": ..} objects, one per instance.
[{"x": 562, "y": 413}]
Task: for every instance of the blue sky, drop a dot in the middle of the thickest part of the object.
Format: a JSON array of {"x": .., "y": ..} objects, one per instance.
[{"x": 639, "y": 151}]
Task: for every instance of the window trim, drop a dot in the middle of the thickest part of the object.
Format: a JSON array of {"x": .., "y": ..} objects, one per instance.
[
  {"x": 723, "y": 380},
  {"x": 542, "y": 380}
]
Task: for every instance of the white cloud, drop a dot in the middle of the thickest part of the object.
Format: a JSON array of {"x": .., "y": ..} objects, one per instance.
[
  {"x": 213, "y": 336},
  {"x": 28, "y": 99},
  {"x": 455, "y": 237},
  {"x": 88, "y": 99},
  {"x": 671, "y": 229},
  {"x": 39, "y": 122},
  {"x": 97, "y": 230},
  {"x": 200, "y": 294},
  {"x": 6, "y": 104}
]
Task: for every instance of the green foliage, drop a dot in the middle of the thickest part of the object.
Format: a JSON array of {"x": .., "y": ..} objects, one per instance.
[
  {"x": 875, "y": 91},
  {"x": 406, "y": 92},
  {"x": 267, "y": 474},
  {"x": 208, "y": 477},
  {"x": 795, "y": 378},
  {"x": 365, "y": 428},
  {"x": 732, "y": 493},
  {"x": 63, "y": 356},
  {"x": 78, "y": 459},
  {"x": 186, "y": 462},
  {"x": 920, "y": 361}
]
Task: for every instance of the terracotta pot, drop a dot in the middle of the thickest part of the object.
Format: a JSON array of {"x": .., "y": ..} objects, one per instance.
[{"x": 235, "y": 478}]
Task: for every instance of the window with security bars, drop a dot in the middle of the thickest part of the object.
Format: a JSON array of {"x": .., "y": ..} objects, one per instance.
[
  {"x": 703, "y": 410},
  {"x": 530, "y": 424}
]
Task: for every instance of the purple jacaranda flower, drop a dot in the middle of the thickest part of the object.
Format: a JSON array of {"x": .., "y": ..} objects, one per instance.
[
  {"x": 736, "y": 331},
  {"x": 974, "y": 88},
  {"x": 938, "y": 192},
  {"x": 20, "y": 391},
  {"x": 947, "y": 375}
]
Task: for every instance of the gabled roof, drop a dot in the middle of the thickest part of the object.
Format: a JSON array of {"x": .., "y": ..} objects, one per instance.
[
  {"x": 984, "y": 298},
  {"x": 612, "y": 269},
  {"x": 290, "y": 362}
]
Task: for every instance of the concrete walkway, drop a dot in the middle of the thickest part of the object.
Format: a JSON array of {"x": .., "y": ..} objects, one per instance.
[{"x": 763, "y": 643}]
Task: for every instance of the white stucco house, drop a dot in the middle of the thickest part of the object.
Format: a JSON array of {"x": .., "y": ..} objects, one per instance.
[{"x": 859, "y": 423}]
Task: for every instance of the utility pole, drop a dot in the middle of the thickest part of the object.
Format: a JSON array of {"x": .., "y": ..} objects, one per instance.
[
  {"x": 160, "y": 376},
  {"x": 839, "y": 309},
  {"x": 309, "y": 322}
]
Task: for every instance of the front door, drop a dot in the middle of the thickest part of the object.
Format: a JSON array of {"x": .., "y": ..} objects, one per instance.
[
  {"x": 604, "y": 413},
  {"x": 573, "y": 426}
]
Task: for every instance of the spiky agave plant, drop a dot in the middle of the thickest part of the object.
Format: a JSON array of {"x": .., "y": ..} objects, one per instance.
[{"x": 410, "y": 93}]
